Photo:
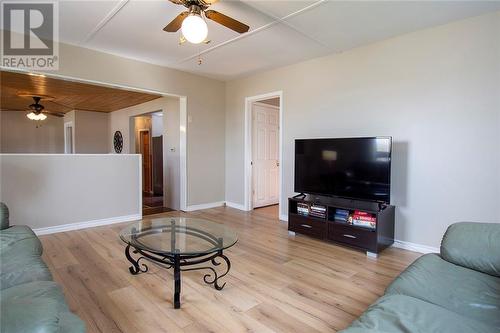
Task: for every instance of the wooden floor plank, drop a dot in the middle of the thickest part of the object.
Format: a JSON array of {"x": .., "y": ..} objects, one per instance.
[
  {"x": 277, "y": 282},
  {"x": 278, "y": 320}
]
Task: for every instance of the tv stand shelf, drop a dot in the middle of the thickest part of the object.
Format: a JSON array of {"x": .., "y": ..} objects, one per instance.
[{"x": 372, "y": 240}]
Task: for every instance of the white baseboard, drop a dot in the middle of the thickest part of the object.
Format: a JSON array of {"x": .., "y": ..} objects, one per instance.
[
  {"x": 235, "y": 205},
  {"x": 415, "y": 247},
  {"x": 205, "y": 206},
  {"x": 86, "y": 224},
  {"x": 283, "y": 217}
]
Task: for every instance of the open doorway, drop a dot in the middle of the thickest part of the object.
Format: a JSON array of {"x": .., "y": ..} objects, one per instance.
[
  {"x": 263, "y": 152},
  {"x": 147, "y": 155},
  {"x": 148, "y": 132}
]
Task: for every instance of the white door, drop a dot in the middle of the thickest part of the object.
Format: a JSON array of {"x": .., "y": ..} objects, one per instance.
[{"x": 265, "y": 155}]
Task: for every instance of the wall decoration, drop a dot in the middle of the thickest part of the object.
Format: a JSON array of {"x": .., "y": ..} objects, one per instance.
[{"x": 118, "y": 142}]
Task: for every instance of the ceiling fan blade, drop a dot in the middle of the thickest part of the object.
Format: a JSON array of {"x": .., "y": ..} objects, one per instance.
[
  {"x": 25, "y": 110},
  {"x": 226, "y": 21},
  {"x": 208, "y": 2},
  {"x": 55, "y": 114},
  {"x": 176, "y": 23}
]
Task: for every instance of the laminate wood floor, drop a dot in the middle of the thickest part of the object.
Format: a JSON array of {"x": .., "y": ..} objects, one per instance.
[{"x": 277, "y": 282}]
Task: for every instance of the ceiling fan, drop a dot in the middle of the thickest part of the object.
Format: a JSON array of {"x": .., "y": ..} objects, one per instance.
[
  {"x": 192, "y": 22},
  {"x": 38, "y": 111}
]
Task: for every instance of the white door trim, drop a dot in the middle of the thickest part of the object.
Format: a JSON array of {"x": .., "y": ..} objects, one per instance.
[
  {"x": 182, "y": 121},
  {"x": 66, "y": 125},
  {"x": 266, "y": 105},
  {"x": 248, "y": 147},
  {"x": 183, "y": 152}
]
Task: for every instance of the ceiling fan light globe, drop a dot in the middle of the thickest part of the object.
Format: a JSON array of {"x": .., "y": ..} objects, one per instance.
[
  {"x": 34, "y": 116},
  {"x": 194, "y": 28}
]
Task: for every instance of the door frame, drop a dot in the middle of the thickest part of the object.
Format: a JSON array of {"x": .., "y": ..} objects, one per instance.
[
  {"x": 150, "y": 137},
  {"x": 248, "y": 187},
  {"x": 66, "y": 125}
]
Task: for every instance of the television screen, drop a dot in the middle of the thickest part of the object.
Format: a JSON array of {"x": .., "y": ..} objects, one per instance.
[{"x": 355, "y": 168}]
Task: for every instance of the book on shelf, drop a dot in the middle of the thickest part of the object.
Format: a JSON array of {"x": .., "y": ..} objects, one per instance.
[
  {"x": 302, "y": 209},
  {"x": 341, "y": 216},
  {"x": 364, "y": 219},
  {"x": 323, "y": 216},
  {"x": 318, "y": 208},
  {"x": 363, "y": 216},
  {"x": 317, "y": 211},
  {"x": 341, "y": 212},
  {"x": 364, "y": 224},
  {"x": 361, "y": 213}
]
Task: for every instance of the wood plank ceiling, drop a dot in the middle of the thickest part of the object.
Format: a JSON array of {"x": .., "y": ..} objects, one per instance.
[{"x": 64, "y": 95}]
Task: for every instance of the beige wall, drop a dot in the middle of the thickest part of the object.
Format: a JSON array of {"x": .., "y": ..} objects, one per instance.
[
  {"x": 157, "y": 125},
  {"x": 171, "y": 156},
  {"x": 53, "y": 190},
  {"x": 91, "y": 132},
  {"x": 205, "y": 107},
  {"x": 18, "y": 134},
  {"x": 21, "y": 135},
  {"x": 437, "y": 92}
]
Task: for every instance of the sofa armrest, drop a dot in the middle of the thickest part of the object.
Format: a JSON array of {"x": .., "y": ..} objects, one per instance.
[
  {"x": 473, "y": 245},
  {"x": 4, "y": 216}
]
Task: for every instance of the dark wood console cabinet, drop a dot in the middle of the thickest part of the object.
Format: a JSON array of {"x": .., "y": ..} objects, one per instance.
[{"x": 370, "y": 240}]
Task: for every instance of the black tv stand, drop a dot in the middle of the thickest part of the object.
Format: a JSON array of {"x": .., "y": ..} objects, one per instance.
[{"x": 372, "y": 240}]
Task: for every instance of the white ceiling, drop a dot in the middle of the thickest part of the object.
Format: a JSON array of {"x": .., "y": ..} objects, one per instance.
[{"x": 281, "y": 32}]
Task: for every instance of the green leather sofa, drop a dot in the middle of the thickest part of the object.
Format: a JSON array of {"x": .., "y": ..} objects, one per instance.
[
  {"x": 29, "y": 300},
  {"x": 456, "y": 291}
]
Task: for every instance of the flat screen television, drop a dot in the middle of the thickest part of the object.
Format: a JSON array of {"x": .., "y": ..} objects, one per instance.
[{"x": 354, "y": 168}]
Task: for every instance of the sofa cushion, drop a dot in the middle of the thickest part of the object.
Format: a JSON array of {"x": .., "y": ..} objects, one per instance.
[
  {"x": 400, "y": 313},
  {"x": 19, "y": 238},
  {"x": 17, "y": 269},
  {"x": 467, "y": 292},
  {"x": 69, "y": 322},
  {"x": 37, "y": 307},
  {"x": 36, "y": 289},
  {"x": 473, "y": 245}
]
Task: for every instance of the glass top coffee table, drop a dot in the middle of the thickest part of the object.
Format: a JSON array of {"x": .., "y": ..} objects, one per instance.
[{"x": 179, "y": 242}]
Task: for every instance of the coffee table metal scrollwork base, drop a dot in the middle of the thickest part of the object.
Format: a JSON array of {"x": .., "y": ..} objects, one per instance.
[
  {"x": 181, "y": 260},
  {"x": 177, "y": 262}
]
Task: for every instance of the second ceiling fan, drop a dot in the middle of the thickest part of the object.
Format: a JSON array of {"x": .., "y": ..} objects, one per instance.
[{"x": 192, "y": 22}]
